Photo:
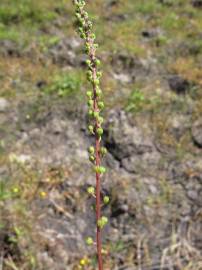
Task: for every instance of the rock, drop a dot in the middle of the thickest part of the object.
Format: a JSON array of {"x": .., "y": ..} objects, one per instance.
[
  {"x": 197, "y": 3},
  {"x": 124, "y": 140},
  {"x": 197, "y": 133},
  {"x": 124, "y": 78},
  {"x": 63, "y": 53},
  {"x": 178, "y": 125},
  {"x": 178, "y": 84},
  {"x": 40, "y": 84},
  {"x": 4, "y": 105},
  {"x": 112, "y": 3},
  {"x": 142, "y": 162},
  {"x": 193, "y": 195},
  {"x": 9, "y": 48},
  {"x": 129, "y": 65},
  {"x": 152, "y": 33},
  {"x": 117, "y": 18},
  {"x": 166, "y": 2}
]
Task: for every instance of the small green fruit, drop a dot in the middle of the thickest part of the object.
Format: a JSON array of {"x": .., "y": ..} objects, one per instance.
[
  {"x": 91, "y": 190},
  {"x": 90, "y": 113},
  {"x": 98, "y": 92},
  {"x": 101, "y": 105},
  {"x": 102, "y": 169},
  {"x": 91, "y": 129},
  {"x": 96, "y": 82},
  {"x": 89, "y": 94},
  {"x": 103, "y": 151},
  {"x": 90, "y": 102},
  {"x": 100, "y": 119},
  {"x": 88, "y": 62},
  {"x": 102, "y": 222},
  {"x": 89, "y": 241},
  {"x": 99, "y": 169},
  {"x": 96, "y": 114},
  {"x": 97, "y": 62},
  {"x": 92, "y": 158},
  {"x": 106, "y": 199},
  {"x": 91, "y": 150},
  {"x": 99, "y": 131}
]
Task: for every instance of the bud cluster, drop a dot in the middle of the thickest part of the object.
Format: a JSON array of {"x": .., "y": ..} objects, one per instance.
[{"x": 95, "y": 102}]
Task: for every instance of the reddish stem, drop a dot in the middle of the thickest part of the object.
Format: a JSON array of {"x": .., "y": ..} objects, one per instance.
[
  {"x": 98, "y": 184},
  {"x": 97, "y": 154},
  {"x": 98, "y": 208}
]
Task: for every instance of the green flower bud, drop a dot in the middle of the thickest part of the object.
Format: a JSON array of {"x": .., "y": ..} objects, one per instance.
[
  {"x": 102, "y": 169},
  {"x": 96, "y": 82},
  {"x": 78, "y": 15},
  {"x": 89, "y": 73},
  {"x": 98, "y": 92},
  {"x": 102, "y": 222},
  {"x": 89, "y": 25},
  {"x": 106, "y": 199},
  {"x": 96, "y": 114},
  {"x": 96, "y": 45},
  {"x": 85, "y": 14},
  {"x": 81, "y": 21},
  {"x": 101, "y": 105},
  {"x": 88, "y": 62},
  {"x": 100, "y": 119},
  {"x": 89, "y": 241},
  {"x": 103, "y": 151},
  {"x": 99, "y": 169},
  {"x": 99, "y": 131},
  {"x": 91, "y": 158},
  {"x": 97, "y": 62},
  {"x": 90, "y": 102},
  {"x": 83, "y": 36},
  {"x": 90, "y": 113},
  {"x": 91, "y": 190},
  {"x": 89, "y": 94},
  {"x": 92, "y": 36},
  {"x": 91, "y": 129},
  {"x": 80, "y": 30},
  {"x": 99, "y": 74},
  {"x": 91, "y": 150},
  {"x": 87, "y": 48}
]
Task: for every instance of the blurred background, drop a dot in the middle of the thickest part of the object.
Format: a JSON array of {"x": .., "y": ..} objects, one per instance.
[{"x": 151, "y": 52}]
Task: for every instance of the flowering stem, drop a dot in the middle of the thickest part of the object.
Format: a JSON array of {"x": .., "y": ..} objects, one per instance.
[
  {"x": 95, "y": 105},
  {"x": 97, "y": 163}
]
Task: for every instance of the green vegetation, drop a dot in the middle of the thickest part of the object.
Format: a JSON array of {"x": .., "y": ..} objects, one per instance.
[
  {"x": 136, "y": 101},
  {"x": 65, "y": 85}
]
